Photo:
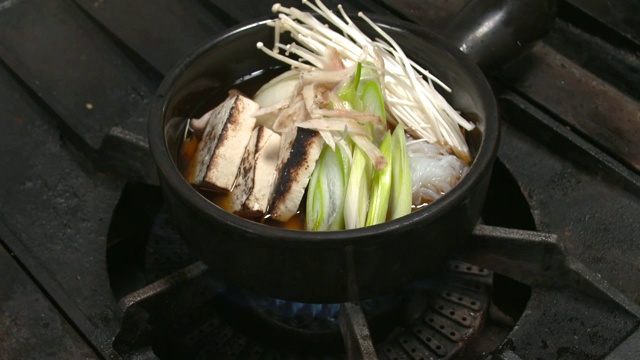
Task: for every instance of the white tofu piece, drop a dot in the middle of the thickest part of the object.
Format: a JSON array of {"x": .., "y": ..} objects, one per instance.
[
  {"x": 252, "y": 191},
  {"x": 223, "y": 143},
  {"x": 299, "y": 153}
]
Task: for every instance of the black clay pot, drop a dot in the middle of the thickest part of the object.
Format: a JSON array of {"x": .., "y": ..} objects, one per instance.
[{"x": 319, "y": 267}]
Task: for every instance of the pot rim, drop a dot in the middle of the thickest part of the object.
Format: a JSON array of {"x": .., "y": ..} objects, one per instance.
[{"x": 169, "y": 172}]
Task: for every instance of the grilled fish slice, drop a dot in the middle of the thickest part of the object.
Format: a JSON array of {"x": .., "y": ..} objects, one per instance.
[
  {"x": 298, "y": 156},
  {"x": 223, "y": 143},
  {"x": 252, "y": 191}
]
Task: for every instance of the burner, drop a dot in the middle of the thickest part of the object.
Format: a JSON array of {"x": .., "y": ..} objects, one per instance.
[
  {"x": 465, "y": 309},
  {"x": 190, "y": 314},
  {"x": 453, "y": 314},
  {"x": 435, "y": 317}
]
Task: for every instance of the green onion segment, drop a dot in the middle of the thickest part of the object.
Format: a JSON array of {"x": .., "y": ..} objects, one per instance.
[
  {"x": 356, "y": 202},
  {"x": 346, "y": 192},
  {"x": 381, "y": 186},
  {"x": 400, "y": 202},
  {"x": 348, "y": 93},
  {"x": 372, "y": 100},
  {"x": 325, "y": 193}
]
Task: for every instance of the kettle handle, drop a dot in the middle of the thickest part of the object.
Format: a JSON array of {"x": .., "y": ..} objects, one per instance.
[{"x": 493, "y": 32}]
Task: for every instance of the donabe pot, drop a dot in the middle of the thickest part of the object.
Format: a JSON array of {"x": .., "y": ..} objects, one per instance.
[{"x": 319, "y": 267}]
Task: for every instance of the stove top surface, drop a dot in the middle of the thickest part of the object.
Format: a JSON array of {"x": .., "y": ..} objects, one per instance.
[{"x": 91, "y": 259}]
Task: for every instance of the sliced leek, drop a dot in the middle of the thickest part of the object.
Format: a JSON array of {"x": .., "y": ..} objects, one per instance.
[
  {"x": 325, "y": 193},
  {"x": 381, "y": 186},
  {"x": 400, "y": 202},
  {"x": 356, "y": 202}
]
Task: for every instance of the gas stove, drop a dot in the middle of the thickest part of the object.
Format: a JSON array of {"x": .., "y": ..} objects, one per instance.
[{"x": 94, "y": 267}]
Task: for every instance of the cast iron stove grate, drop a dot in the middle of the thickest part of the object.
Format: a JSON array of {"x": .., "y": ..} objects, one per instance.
[
  {"x": 435, "y": 318},
  {"x": 182, "y": 310},
  {"x": 77, "y": 76},
  {"x": 466, "y": 312}
]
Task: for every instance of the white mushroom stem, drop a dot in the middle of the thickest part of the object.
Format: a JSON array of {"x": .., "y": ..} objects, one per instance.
[{"x": 408, "y": 89}]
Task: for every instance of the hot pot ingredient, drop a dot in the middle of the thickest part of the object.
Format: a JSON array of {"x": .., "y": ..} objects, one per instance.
[
  {"x": 433, "y": 171},
  {"x": 298, "y": 157},
  {"x": 322, "y": 128},
  {"x": 410, "y": 96},
  {"x": 226, "y": 134},
  {"x": 252, "y": 192}
]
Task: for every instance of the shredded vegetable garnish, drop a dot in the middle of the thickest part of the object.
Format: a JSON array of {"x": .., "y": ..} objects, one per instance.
[{"x": 409, "y": 92}]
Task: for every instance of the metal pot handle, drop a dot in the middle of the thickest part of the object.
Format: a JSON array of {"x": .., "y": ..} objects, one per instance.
[{"x": 493, "y": 32}]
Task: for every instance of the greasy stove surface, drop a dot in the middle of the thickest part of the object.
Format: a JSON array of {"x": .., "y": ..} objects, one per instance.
[{"x": 75, "y": 81}]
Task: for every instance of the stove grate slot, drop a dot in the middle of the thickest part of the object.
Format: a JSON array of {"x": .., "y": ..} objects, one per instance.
[
  {"x": 462, "y": 267},
  {"x": 416, "y": 350},
  {"x": 429, "y": 338},
  {"x": 442, "y": 327},
  {"x": 391, "y": 353},
  {"x": 461, "y": 316},
  {"x": 463, "y": 300}
]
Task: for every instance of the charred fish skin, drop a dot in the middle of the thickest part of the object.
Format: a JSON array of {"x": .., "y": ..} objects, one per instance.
[
  {"x": 232, "y": 142},
  {"x": 208, "y": 142},
  {"x": 253, "y": 188},
  {"x": 266, "y": 163},
  {"x": 223, "y": 144},
  {"x": 244, "y": 182},
  {"x": 295, "y": 168}
]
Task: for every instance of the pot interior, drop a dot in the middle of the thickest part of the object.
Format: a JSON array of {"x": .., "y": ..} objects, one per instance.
[{"x": 202, "y": 81}]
